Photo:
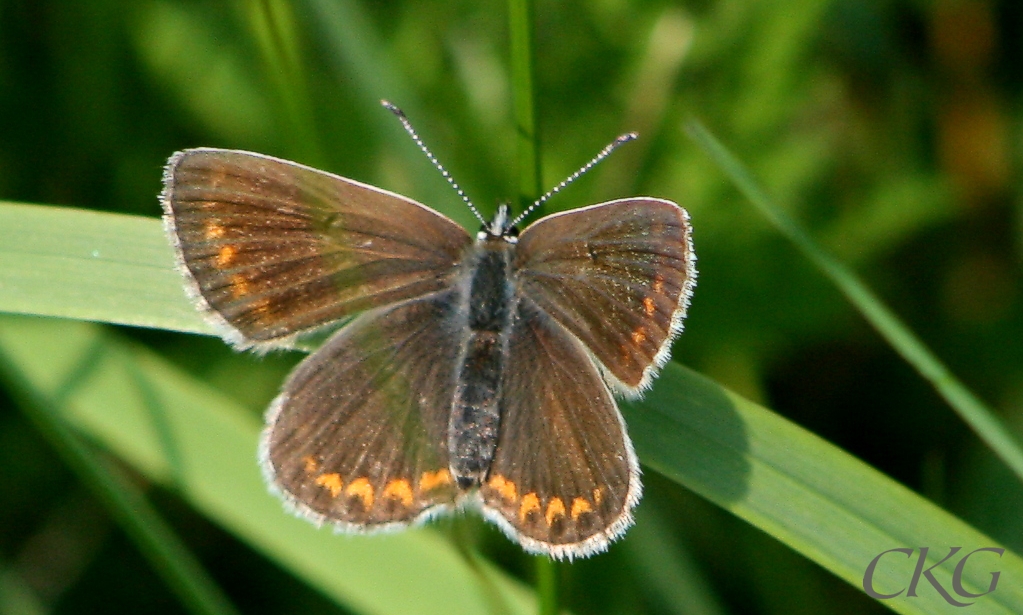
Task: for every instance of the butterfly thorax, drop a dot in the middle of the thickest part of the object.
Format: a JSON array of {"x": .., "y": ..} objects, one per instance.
[{"x": 488, "y": 304}]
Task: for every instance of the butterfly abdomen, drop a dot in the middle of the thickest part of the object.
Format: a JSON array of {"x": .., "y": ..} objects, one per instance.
[{"x": 475, "y": 415}]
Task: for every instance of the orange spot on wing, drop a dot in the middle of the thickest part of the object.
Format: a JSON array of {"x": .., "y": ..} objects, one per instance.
[
  {"x": 555, "y": 509},
  {"x": 658, "y": 284},
  {"x": 529, "y": 504},
  {"x": 226, "y": 255},
  {"x": 239, "y": 285},
  {"x": 399, "y": 489},
  {"x": 214, "y": 231},
  {"x": 432, "y": 480},
  {"x": 639, "y": 335},
  {"x": 580, "y": 506},
  {"x": 361, "y": 488},
  {"x": 311, "y": 465},
  {"x": 241, "y": 288},
  {"x": 648, "y": 306},
  {"x": 331, "y": 482},
  {"x": 505, "y": 488}
]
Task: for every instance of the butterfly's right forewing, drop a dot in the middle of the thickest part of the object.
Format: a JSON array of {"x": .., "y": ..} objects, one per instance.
[{"x": 618, "y": 276}]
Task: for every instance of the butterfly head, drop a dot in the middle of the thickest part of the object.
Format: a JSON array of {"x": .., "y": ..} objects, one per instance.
[{"x": 501, "y": 226}]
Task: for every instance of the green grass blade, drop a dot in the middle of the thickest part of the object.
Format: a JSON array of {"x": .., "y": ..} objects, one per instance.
[
  {"x": 807, "y": 493},
  {"x": 273, "y": 26},
  {"x": 415, "y": 572},
  {"x": 523, "y": 78},
  {"x": 546, "y": 571},
  {"x": 171, "y": 559},
  {"x": 666, "y": 570},
  {"x": 977, "y": 415},
  {"x": 86, "y": 265},
  {"x": 355, "y": 48},
  {"x": 16, "y": 596}
]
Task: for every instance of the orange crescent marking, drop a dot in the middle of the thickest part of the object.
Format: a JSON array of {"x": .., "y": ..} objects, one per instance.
[
  {"x": 399, "y": 489},
  {"x": 580, "y": 506},
  {"x": 530, "y": 503},
  {"x": 431, "y": 480},
  {"x": 555, "y": 509},
  {"x": 331, "y": 482},
  {"x": 505, "y": 488},
  {"x": 361, "y": 488}
]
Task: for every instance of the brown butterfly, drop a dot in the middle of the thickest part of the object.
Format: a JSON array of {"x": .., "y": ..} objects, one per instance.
[{"x": 472, "y": 372}]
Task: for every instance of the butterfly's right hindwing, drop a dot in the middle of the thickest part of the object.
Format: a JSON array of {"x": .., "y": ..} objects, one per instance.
[{"x": 564, "y": 479}]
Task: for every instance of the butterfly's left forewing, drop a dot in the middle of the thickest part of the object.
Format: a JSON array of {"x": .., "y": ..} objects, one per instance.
[
  {"x": 272, "y": 248},
  {"x": 358, "y": 436}
]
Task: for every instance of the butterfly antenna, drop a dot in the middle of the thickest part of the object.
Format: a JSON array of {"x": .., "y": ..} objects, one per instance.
[
  {"x": 604, "y": 153},
  {"x": 444, "y": 172}
]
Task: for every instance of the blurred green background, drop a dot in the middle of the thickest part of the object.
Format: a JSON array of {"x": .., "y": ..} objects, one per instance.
[{"x": 891, "y": 128}]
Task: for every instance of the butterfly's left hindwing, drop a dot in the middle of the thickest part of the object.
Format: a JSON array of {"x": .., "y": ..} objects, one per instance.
[{"x": 358, "y": 436}]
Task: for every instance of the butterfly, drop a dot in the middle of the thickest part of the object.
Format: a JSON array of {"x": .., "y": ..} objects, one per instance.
[{"x": 469, "y": 371}]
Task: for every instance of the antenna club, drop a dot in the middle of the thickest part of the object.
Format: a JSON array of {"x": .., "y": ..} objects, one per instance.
[{"x": 386, "y": 104}]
